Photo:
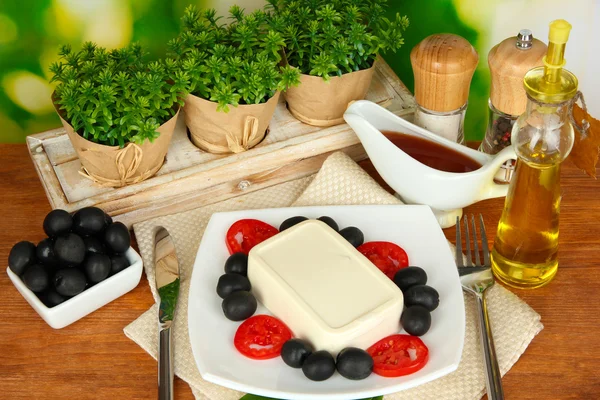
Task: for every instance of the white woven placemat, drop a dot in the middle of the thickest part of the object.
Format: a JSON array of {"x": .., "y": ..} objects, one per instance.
[{"x": 339, "y": 182}]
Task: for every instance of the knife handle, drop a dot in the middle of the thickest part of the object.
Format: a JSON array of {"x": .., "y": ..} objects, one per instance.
[{"x": 165, "y": 365}]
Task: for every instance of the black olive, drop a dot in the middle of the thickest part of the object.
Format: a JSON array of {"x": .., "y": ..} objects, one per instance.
[
  {"x": 45, "y": 253},
  {"x": 118, "y": 263},
  {"x": 108, "y": 219},
  {"x": 331, "y": 222},
  {"x": 69, "y": 250},
  {"x": 354, "y": 363},
  {"x": 21, "y": 256},
  {"x": 319, "y": 366},
  {"x": 94, "y": 245},
  {"x": 35, "y": 278},
  {"x": 239, "y": 306},
  {"x": 57, "y": 222},
  {"x": 416, "y": 320},
  {"x": 237, "y": 263},
  {"x": 116, "y": 237},
  {"x": 69, "y": 282},
  {"x": 288, "y": 223},
  {"x": 422, "y": 295},
  {"x": 410, "y": 276},
  {"x": 295, "y": 351},
  {"x": 89, "y": 221},
  {"x": 353, "y": 235},
  {"x": 229, "y": 283},
  {"x": 51, "y": 298},
  {"x": 97, "y": 267}
]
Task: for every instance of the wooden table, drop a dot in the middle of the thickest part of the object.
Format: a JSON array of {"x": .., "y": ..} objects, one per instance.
[{"x": 92, "y": 359}]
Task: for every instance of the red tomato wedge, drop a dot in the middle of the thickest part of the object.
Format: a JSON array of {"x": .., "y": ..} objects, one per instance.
[
  {"x": 386, "y": 256},
  {"x": 244, "y": 234},
  {"x": 398, "y": 355},
  {"x": 261, "y": 337}
]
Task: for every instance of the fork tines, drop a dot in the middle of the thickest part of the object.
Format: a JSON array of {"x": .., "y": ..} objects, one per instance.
[{"x": 472, "y": 237}]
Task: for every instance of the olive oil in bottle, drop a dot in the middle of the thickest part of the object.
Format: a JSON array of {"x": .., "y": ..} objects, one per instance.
[{"x": 525, "y": 253}]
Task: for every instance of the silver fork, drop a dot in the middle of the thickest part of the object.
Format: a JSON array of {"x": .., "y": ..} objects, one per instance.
[{"x": 476, "y": 279}]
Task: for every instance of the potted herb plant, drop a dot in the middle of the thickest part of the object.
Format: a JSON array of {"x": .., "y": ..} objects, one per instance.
[
  {"x": 235, "y": 77},
  {"x": 334, "y": 44},
  {"x": 118, "y": 110}
]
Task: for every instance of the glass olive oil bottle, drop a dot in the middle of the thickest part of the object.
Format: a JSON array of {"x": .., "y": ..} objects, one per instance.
[{"x": 525, "y": 253}]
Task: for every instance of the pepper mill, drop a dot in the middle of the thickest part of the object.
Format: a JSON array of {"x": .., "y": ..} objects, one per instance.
[
  {"x": 509, "y": 61},
  {"x": 443, "y": 66}
]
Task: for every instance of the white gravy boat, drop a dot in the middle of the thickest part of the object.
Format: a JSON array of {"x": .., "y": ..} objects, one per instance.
[{"x": 416, "y": 183}]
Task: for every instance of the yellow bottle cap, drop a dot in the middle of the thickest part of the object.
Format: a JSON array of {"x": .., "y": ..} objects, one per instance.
[
  {"x": 552, "y": 83},
  {"x": 559, "y": 31}
]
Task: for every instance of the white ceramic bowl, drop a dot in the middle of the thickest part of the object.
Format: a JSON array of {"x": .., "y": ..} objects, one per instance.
[{"x": 89, "y": 300}]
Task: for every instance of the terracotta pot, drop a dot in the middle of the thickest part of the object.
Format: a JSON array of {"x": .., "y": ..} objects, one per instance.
[
  {"x": 238, "y": 130},
  {"x": 320, "y": 103},
  {"x": 112, "y": 166}
]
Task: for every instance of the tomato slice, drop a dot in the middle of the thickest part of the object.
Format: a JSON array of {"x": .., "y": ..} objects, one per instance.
[
  {"x": 261, "y": 337},
  {"x": 244, "y": 234},
  {"x": 386, "y": 256},
  {"x": 398, "y": 355}
]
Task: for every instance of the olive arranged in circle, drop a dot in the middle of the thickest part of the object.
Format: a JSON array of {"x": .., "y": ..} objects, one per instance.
[
  {"x": 45, "y": 252},
  {"x": 331, "y": 222},
  {"x": 69, "y": 250},
  {"x": 237, "y": 263},
  {"x": 239, "y": 306},
  {"x": 94, "y": 245},
  {"x": 354, "y": 363},
  {"x": 21, "y": 256},
  {"x": 35, "y": 278},
  {"x": 288, "y": 223},
  {"x": 97, "y": 267},
  {"x": 118, "y": 263},
  {"x": 89, "y": 221},
  {"x": 69, "y": 282},
  {"x": 116, "y": 237},
  {"x": 416, "y": 320},
  {"x": 410, "y": 276},
  {"x": 229, "y": 283},
  {"x": 353, "y": 235},
  {"x": 57, "y": 222},
  {"x": 295, "y": 351},
  {"x": 51, "y": 298},
  {"x": 422, "y": 295},
  {"x": 319, "y": 366}
]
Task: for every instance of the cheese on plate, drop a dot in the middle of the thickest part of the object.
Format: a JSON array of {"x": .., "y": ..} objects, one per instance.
[{"x": 323, "y": 289}]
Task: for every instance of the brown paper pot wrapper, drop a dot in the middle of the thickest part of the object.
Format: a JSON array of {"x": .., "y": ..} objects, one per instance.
[
  {"x": 111, "y": 166},
  {"x": 238, "y": 130},
  {"x": 320, "y": 103}
]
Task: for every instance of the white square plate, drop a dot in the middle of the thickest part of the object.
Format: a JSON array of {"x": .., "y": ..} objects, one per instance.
[{"x": 414, "y": 228}]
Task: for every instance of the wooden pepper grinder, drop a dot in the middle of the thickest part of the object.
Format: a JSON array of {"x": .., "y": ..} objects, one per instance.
[
  {"x": 509, "y": 61},
  {"x": 443, "y": 66}
]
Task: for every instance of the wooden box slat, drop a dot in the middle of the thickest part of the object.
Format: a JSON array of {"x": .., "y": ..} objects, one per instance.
[{"x": 191, "y": 177}]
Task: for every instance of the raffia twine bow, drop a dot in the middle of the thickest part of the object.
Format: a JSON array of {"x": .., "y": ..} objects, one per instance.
[
  {"x": 250, "y": 137},
  {"x": 125, "y": 170}
]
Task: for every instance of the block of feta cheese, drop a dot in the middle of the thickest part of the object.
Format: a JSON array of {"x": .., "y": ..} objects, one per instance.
[{"x": 323, "y": 289}]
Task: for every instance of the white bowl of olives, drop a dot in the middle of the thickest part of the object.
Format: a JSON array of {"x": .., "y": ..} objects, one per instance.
[{"x": 85, "y": 262}]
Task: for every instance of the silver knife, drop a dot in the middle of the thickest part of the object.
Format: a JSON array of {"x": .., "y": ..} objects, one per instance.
[{"x": 167, "y": 283}]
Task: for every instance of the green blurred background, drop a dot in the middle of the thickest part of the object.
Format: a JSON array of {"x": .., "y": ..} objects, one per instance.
[{"x": 32, "y": 30}]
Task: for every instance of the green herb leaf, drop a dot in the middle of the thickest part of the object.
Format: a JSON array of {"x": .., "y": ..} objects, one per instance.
[
  {"x": 115, "y": 97},
  {"x": 231, "y": 65},
  {"x": 168, "y": 299}
]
